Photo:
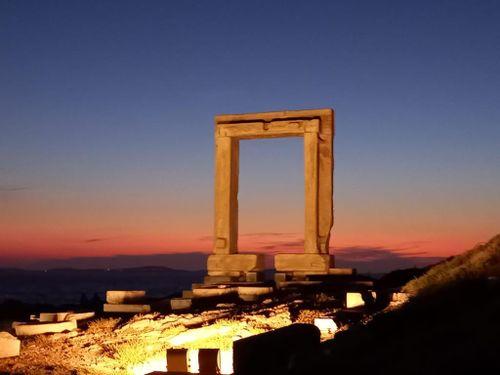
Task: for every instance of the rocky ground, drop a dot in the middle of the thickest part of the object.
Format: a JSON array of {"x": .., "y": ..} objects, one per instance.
[{"x": 119, "y": 345}]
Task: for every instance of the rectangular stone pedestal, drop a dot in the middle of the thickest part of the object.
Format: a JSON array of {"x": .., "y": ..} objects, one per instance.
[
  {"x": 304, "y": 263},
  {"x": 234, "y": 265}
]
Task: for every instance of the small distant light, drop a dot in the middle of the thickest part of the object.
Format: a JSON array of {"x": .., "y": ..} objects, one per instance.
[{"x": 326, "y": 325}]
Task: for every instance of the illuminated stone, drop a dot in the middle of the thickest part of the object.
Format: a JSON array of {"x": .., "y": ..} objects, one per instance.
[
  {"x": 326, "y": 325},
  {"x": 226, "y": 362},
  {"x": 193, "y": 364},
  {"x": 213, "y": 292},
  {"x": 354, "y": 300},
  {"x": 233, "y": 264},
  {"x": 129, "y": 308},
  {"x": 9, "y": 345},
  {"x": 80, "y": 316},
  {"x": 61, "y": 316},
  {"x": 302, "y": 262},
  {"x": 400, "y": 297},
  {"x": 187, "y": 294},
  {"x": 254, "y": 290},
  {"x": 180, "y": 303},
  {"x": 29, "y": 329},
  {"x": 342, "y": 271},
  {"x": 125, "y": 296}
]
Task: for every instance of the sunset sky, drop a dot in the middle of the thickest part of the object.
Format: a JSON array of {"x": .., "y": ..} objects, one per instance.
[{"x": 106, "y": 119}]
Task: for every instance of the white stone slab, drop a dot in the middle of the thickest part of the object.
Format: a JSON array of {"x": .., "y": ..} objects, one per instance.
[
  {"x": 213, "y": 292},
  {"x": 354, "y": 300},
  {"x": 30, "y": 329},
  {"x": 9, "y": 345}
]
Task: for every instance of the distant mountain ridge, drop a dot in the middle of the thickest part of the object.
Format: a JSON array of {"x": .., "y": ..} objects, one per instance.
[
  {"x": 68, "y": 286},
  {"x": 192, "y": 261}
]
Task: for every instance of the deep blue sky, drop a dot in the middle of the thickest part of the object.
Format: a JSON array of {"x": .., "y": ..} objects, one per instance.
[{"x": 106, "y": 111}]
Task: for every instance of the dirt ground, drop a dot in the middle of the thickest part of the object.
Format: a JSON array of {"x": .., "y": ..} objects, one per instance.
[{"x": 112, "y": 345}]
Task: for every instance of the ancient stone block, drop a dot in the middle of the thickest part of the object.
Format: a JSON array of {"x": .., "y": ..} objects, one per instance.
[
  {"x": 126, "y": 308},
  {"x": 213, "y": 280},
  {"x": 255, "y": 290},
  {"x": 235, "y": 262},
  {"x": 213, "y": 292},
  {"x": 253, "y": 277},
  {"x": 280, "y": 277},
  {"x": 80, "y": 316},
  {"x": 302, "y": 263},
  {"x": 125, "y": 296},
  {"x": 354, "y": 300},
  {"x": 181, "y": 303},
  {"x": 29, "y": 329},
  {"x": 327, "y": 326},
  {"x": 53, "y": 317},
  {"x": 47, "y": 317},
  {"x": 187, "y": 294},
  {"x": 9, "y": 345},
  {"x": 400, "y": 297},
  {"x": 342, "y": 271}
]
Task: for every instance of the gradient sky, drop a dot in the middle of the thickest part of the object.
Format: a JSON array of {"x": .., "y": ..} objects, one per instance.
[{"x": 106, "y": 118}]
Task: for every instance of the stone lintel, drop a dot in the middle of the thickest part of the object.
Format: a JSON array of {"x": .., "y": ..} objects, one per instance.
[
  {"x": 230, "y": 263},
  {"x": 273, "y": 129},
  {"x": 325, "y": 115},
  {"x": 313, "y": 263}
]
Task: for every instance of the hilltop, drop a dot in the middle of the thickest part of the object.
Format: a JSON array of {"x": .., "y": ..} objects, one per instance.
[
  {"x": 449, "y": 326},
  {"x": 481, "y": 262}
]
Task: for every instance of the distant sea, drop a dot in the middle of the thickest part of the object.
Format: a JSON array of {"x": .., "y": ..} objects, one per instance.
[{"x": 71, "y": 286}]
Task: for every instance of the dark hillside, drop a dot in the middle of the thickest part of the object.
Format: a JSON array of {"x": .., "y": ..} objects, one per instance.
[
  {"x": 450, "y": 326},
  {"x": 453, "y": 331},
  {"x": 480, "y": 262}
]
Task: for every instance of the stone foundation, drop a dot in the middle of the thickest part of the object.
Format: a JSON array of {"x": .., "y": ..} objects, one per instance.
[
  {"x": 234, "y": 265},
  {"x": 304, "y": 263}
]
